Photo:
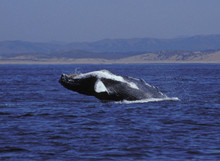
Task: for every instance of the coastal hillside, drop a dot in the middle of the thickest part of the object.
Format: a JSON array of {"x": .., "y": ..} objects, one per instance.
[
  {"x": 175, "y": 57},
  {"x": 194, "y": 43},
  {"x": 83, "y": 57}
]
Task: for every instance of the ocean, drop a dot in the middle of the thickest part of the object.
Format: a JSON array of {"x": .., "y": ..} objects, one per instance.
[{"x": 42, "y": 120}]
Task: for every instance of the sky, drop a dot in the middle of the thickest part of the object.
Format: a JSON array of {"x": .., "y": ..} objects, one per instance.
[{"x": 93, "y": 20}]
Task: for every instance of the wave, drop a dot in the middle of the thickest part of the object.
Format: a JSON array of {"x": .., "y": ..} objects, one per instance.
[{"x": 149, "y": 100}]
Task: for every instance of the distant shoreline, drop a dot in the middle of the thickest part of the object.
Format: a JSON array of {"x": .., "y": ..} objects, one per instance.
[
  {"x": 106, "y": 62},
  {"x": 176, "y": 57}
]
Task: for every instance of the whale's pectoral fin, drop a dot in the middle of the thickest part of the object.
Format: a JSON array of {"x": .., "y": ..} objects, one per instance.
[{"x": 100, "y": 87}]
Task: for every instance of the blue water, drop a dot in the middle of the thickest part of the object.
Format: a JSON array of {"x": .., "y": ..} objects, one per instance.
[{"x": 41, "y": 120}]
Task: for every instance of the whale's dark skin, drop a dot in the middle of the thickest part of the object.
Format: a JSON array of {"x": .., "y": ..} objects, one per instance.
[{"x": 105, "y": 85}]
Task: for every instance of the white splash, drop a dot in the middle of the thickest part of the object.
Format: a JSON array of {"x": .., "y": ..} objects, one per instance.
[
  {"x": 100, "y": 74},
  {"x": 108, "y": 75},
  {"x": 149, "y": 100}
]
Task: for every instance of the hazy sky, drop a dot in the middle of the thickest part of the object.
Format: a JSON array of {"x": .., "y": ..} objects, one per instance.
[{"x": 92, "y": 20}]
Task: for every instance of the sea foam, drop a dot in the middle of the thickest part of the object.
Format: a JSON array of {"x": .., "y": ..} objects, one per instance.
[{"x": 149, "y": 100}]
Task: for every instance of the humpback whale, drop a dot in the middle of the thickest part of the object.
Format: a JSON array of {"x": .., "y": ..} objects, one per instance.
[{"x": 105, "y": 85}]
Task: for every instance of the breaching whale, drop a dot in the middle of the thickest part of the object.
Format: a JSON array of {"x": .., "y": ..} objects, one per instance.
[{"x": 105, "y": 85}]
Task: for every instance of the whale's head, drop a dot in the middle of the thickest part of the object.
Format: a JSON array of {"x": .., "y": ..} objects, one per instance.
[{"x": 78, "y": 84}]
